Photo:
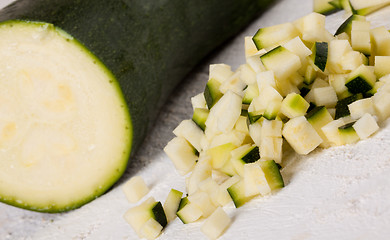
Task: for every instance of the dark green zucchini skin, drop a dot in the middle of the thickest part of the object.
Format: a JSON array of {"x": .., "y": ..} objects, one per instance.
[{"x": 149, "y": 45}]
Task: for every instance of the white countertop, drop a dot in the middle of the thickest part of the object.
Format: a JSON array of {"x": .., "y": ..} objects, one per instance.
[{"x": 337, "y": 193}]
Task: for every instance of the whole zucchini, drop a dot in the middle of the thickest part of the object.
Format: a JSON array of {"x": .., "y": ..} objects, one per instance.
[{"x": 86, "y": 87}]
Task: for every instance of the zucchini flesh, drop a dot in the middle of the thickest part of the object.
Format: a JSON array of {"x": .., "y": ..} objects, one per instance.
[{"x": 122, "y": 38}]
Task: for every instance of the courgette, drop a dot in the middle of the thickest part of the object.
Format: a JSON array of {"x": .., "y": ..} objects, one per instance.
[{"x": 132, "y": 53}]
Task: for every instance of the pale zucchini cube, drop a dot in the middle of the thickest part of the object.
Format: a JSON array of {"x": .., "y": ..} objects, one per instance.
[
  {"x": 324, "y": 96},
  {"x": 365, "y": 126},
  {"x": 310, "y": 75},
  {"x": 331, "y": 131},
  {"x": 254, "y": 180},
  {"x": 247, "y": 75},
  {"x": 382, "y": 64},
  {"x": 312, "y": 27},
  {"x": 139, "y": 215},
  {"x": 297, "y": 47},
  {"x": 191, "y": 132},
  {"x": 336, "y": 50},
  {"x": 250, "y": 47},
  {"x": 271, "y": 148},
  {"x": 272, "y": 174},
  {"x": 361, "y": 107},
  {"x": 241, "y": 125},
  {"x": 151, "y": 229},
  {"x": 301, "y": 135},
  {"x": 319, "y": 117},
  {"x": 211, "y": 187},
  {"x": 198, "y": 101},
  {"x": 224, "y": 114},
  {"x": 255, "y": 132},
  {"x": 337, "y": 81},
  {"x": 270, "y": 37},
  {"x": 272, "y": 110},
  {"x": 251, "y": 92},
  {"x": 255, "y": 63},
  {"x": 351, "y": 61},
  {"x": 237, "y": 193},
  {"x": 234, "y": 84},
  {"x": 189, "y": 213},
  {"x": 171, "y": 204},
  {"x": 294, "y": 105},
  {"x": 380, "y": 38},
  {"x": 220, "y": 154},
  {"x": 203, "y": 201},
  {"x": 265, "y": 79},
  {"x": 202, "y": 171},
  {"x": 234, "y": 137},
  {"x": 382, "y": 102},
  {"x": 361, "y": 41},
  {"x": 135, "y": 189},
  {"x": 223, "y": 196},
  {"x": 271, "y": 128},
  {"x": 220, "y": 72},
  {"x": 215, "y": 225},
  {"x": 182, "y": 154},
  {"x": 282, "y": 62}
]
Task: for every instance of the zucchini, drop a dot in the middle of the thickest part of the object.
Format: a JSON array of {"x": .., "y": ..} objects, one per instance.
[
  {"x": 320, "y": 54},
  {"x": 135, "y": 53}
]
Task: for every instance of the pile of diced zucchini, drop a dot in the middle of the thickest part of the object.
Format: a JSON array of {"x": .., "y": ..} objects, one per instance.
[{"x": 300, "y": 85}]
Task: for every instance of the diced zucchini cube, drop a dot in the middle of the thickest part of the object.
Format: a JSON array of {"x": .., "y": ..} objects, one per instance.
[
  {"x": 382, "y": 64},
  {"x": 182, "y": 154},
  {"x": 272, "y": 174},
  {"x": 365, "y": 126},
  {"x": 271, "y": 128},
  {"x": 360, "y": 41},
  {"x": 237, "y": 193},
  {"x": 234, "y": 84},
  {"x": 223, "y": 196},
  {"x": 310, "y": 75},
  {"x": 159, "y": 214},
  {"x": 270, "y": 37},
  {"x": 382, "y": 103},
  {"x": 203, "y": 201},
  {"x": 294, "y": 105},
  {"x": 342, "y": 109},
  {"x": 135, "y": 189},
  {"x": 211, "y": 187},
  {"x": 337, "y": 81},
  {"x": 346, "y": 26},
  {"x": 198, "y": 101},
  {"x": 361, "y": 107},
  {"x": 220, "y": 72},
  {"x": 352, "y": 60},
  {"x": 234, "y": 137},
  {"x": 212, "y": 93},
  {"x": 348, "y": 134},
  {"x": 271, "y": 148},
  {"x": 254, "y": 180},
  {"x": 336, "y": 50},
  {"x": 360, "y": 80},
  {"x": 189, "y": 213},
  {"x": 247, "y": 75},
  {"x": 151, "y": 229},
  {"x": 202, "y": 171},
  {"x": 282, "y": 62},
  {"x": 220, "y": 154},
  {"x": 265, "y": 79},
  {"x": 250, "y": 47},
  {"x": 255, "y": 132},
  {"x": 320, "y": 54},
  {"x": 255, "y": 63},
  {"x": 380, "y": 38},
  {"x": 216, "y": 224},
  {"x": 324, "y": 96},
  {"x": 301, "y": 135},
  {"x": 189, "y": 130},
  {"x": 223, "y": 116},
  {"x": 200, "y": 116},
  {"x": 243, "y": 155},
  {"x": 297, "y": 47},
  {"x": 241, "y": 125},
  {"x": 331, "y": 131},
  {"x": 250, "y": 93},
  {"x": 171, "y": 204},
  {"x": 319, "y": 117}
]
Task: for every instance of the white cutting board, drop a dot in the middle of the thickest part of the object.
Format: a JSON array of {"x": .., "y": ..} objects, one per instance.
[{"x": 337, "y": 193}]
